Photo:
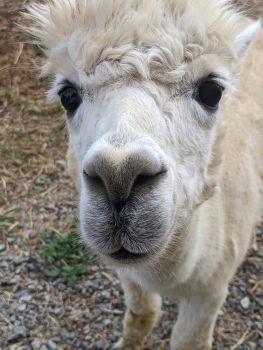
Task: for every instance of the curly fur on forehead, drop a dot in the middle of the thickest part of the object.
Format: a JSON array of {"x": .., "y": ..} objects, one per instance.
[{"x": 90, "y": 31}]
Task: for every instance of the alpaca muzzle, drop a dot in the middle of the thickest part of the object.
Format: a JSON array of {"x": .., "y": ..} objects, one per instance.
[{"x": 123, "y": 214}]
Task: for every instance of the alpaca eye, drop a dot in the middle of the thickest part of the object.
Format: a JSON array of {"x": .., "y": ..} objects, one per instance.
[
  {"x": 210, "y": 93},
  {"x": 70, "y": 98}
]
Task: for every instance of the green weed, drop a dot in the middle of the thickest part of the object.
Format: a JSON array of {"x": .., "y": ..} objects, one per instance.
[
  {"x": 7, "y": 219},
  {"x": 65, "y": 256},
  {"x": 41, "y": 181},
  {"x": 20, "y": 157}
]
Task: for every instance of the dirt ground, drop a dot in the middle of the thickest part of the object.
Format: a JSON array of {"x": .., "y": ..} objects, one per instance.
[{"x": 36, "y": 194}]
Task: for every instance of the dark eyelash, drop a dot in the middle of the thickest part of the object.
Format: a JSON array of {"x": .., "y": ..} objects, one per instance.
[
  {"x": 211, "y": 77},
  {"x": 65, "y": 84}
]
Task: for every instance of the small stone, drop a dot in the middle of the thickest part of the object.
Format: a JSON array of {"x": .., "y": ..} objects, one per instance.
[
  {"x": 55, "y": 311},
  {"x": 67, "y": 335},
  {"x": 245, "y": 302},
  {"x": 12, "y": 347},
  {"x": 32, "y": 234},
  {"x": 61, "y": 286},
  {"x": 105, "y": 295},
  {"x": 22, "y": 307},
  {"x": 71, "y": 335},
  {"x": 60, "y": 162},
  {"x": 51, "y": 345},
  {"x": 113, "y": 338},
  {"x": 16, "y": 288},
  {"x": 2, "y": 247},
  {"x": 18, "y": 332},
  {"x": 7, "y": 257},
  {"x": 94, "y": 268},
  {"x": 252, "y": 345},
  {"x": 85, "y": 345},
  {"x": 100, "y": 345},
  {"x": 89, "y": 284},
  {"x": 43, "y": 347},
  {"x": 259, "y": 325},
  {"x": 250, "y": 323},
  {"x": 26, "y": 298},
  {"x": 31, "y": 287},
  {"x": 259, "y": 301},
  {"x": 36, "y": 343},
  {"x": 107, "y": 322}
]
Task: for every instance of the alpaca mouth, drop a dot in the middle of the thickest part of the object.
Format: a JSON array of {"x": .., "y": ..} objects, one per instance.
[{"x": 124, "y": 254}]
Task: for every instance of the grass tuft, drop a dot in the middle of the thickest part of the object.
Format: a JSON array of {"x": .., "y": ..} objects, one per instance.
[{"x": 65, "y": 256}]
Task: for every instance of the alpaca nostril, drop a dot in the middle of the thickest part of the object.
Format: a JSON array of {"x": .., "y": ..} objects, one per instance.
[
  {"x": 120, "y": 176},
  {"x": 142, "y": 179},
  {"x": 96, "y": 180},
  {"x": 93, "y": 178}
]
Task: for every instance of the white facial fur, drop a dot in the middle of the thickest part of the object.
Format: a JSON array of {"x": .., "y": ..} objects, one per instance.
[
  {"x": 139, "y": 115},
  {"x": 127, "y": 115}
]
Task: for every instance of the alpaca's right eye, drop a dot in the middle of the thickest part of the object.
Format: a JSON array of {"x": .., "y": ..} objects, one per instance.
[{"x": 70, "y": 98}]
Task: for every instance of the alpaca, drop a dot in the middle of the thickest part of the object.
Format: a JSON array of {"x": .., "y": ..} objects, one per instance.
[{"x": 165, "y": 148}]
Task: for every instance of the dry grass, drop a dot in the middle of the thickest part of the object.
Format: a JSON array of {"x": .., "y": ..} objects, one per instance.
[{"x": 32, "y": 136}]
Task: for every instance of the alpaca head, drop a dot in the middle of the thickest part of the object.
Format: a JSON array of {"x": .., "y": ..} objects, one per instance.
[{"x": 142, "y": 83}]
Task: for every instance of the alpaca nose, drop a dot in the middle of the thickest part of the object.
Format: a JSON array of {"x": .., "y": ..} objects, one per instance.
[{"x": 118, "y": 173}]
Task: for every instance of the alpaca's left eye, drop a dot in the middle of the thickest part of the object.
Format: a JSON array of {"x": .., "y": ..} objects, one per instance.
[
  {"x": 210, "y": 93},
  {"x": 70, "y": 98}
]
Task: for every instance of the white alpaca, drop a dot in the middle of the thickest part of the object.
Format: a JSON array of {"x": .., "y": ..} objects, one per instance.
[{"x": 168, "y": 165}]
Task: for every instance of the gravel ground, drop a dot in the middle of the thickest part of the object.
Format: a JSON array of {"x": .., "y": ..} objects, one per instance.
[{"x": 37, "y": 312}]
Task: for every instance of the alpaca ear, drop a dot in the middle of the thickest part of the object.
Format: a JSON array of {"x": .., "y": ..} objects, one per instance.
[{"x": 246, "y": 36}]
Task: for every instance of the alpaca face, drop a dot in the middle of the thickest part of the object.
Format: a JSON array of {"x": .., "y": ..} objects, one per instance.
[
  {"x": 142, "y": 83},
  {"x": 143, "y": 149}
]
